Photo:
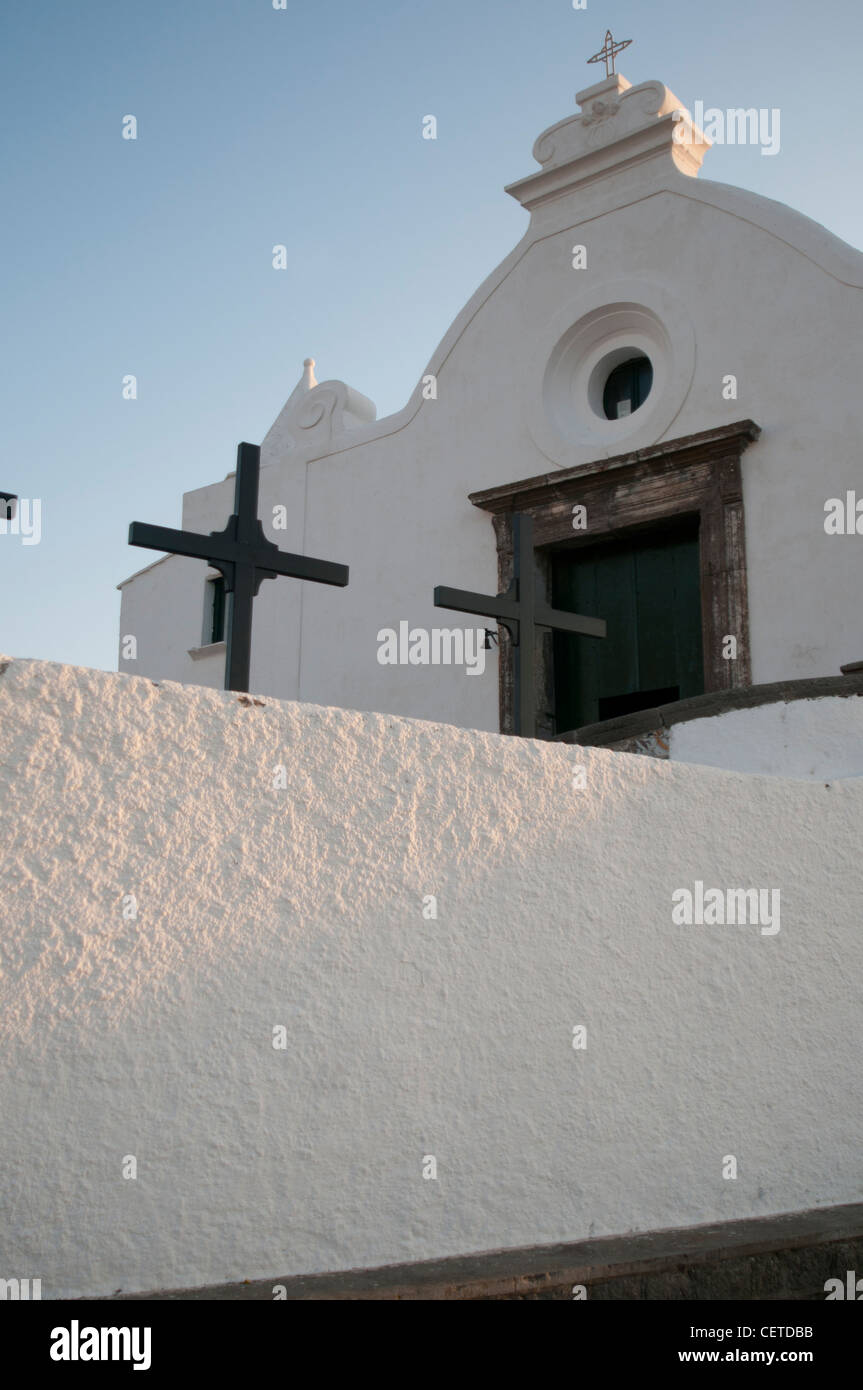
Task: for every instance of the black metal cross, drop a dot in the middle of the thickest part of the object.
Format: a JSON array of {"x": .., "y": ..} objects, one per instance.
[
  {"x": 609, "y": 51},
  {"x": 244, "y": 557},
  {"x": 521, "y": 612}
]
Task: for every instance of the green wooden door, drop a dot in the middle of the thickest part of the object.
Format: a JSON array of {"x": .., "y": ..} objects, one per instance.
[{"x": 648, "y": 591}]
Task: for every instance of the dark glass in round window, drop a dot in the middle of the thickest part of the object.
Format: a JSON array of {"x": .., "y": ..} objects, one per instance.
[{"x": 627, "y": 388}]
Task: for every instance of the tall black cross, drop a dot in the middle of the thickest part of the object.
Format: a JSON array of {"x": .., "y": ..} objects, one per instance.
[
  {"x": 244, "y": 557},
  {"x": 521, "y": 612}
]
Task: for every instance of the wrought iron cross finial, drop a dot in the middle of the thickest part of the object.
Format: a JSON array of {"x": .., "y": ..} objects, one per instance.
[{"x": 607, "y": 52}]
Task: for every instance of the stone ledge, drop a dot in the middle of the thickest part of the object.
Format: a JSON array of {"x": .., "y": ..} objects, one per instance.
[
  {"x": 648, "y": 721},
  {"x": 775, "y": 1257}
]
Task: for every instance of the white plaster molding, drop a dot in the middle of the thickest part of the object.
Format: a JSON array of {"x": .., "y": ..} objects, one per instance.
[
  {"x": 620, "y": 126},
  {"x": 562, "y": 381},
  {"x": 329, "y": 409},
  {"x": 837, "y": 258},
  {"x": 316, "y": 412},
  {"x": 209, "y": 649}
]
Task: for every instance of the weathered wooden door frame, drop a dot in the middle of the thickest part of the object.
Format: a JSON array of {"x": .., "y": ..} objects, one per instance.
[{"x": 698, "y": 475}]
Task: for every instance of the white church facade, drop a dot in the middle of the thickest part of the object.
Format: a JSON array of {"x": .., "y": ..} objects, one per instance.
[{"x": 662, "y": 374}]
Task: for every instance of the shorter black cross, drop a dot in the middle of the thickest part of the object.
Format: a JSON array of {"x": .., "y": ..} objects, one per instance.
[
  {"x": 244, "y": 557},
  {"x": 521, "y": 612}
]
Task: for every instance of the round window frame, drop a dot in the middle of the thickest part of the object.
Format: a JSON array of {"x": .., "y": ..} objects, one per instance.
[{"x": 625, "y": 317}]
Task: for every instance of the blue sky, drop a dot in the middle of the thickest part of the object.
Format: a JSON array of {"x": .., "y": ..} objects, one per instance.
[{"x": 303, "y": 127}]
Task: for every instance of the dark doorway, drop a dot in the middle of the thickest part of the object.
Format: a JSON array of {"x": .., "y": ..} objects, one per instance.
[
  {"x": 647, "y": 587},
  {"x": 613, "y": 706}
]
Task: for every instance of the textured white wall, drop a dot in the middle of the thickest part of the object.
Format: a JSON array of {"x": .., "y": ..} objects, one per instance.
[
  {"x": 302, "y": 907},
  {"x": 820, "y": 738}
]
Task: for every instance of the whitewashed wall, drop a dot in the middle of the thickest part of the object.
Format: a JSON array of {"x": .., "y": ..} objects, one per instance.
[
  {"x": 802, "y": 738},
  {"x": 302, "y": 907},
  {"x": 737, "y": 284}
]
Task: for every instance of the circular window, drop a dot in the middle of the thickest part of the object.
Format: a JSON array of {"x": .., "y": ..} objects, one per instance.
[
  {"x": 574, "y": 360},
  {"x": 627, "y": 387}
]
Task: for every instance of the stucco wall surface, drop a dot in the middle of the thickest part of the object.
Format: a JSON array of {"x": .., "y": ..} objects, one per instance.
[
  {"x": 301, "y": 906},
  {"x": 804, "y": 738}
]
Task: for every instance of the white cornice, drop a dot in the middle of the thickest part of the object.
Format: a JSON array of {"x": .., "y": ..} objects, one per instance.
[{"x": 619, "y": 126}]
